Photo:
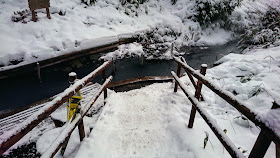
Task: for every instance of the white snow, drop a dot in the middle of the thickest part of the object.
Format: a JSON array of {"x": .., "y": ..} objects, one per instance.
[
  {"x": 254, "y": 77},
  {"x": 72, "y": 74},
  {"x": 125, "y": 50},
  {"x": 135, "y": 124}
]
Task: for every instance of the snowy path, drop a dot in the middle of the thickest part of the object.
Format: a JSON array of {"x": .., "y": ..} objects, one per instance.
[{"x": 134, "y": 124}]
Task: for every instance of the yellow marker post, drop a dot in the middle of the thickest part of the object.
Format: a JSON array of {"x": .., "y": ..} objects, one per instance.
[{"x": 74, "y": 101}]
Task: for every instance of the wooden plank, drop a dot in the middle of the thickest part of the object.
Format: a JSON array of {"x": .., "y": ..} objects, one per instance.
[
  {"x": 140, "y": 79},
  {"x": 233, "y": 100},
  {"x": 15, "y": 137},
  {"x": 227, "y": 143},
  {"x": 59, "y": 59}
]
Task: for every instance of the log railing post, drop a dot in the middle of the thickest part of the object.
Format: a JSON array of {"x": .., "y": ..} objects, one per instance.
[
  {"x": 34, "y": 18},
  {"x": 263, "y": 142},
  {"x": 172, "y": 48},
  {"x": 197, "y": 95},
  {"x": 178, "y": 74},
  {"x": 261, "y": 145},
  {"x": 64, "y": 145},
  {"x": 277, "y": 150},
  {"x": 81, "y": 124},
  {"x": 38, "y": 71},
  {"x": 104, "y": 79},
  {"x": 48, "y": 12}
]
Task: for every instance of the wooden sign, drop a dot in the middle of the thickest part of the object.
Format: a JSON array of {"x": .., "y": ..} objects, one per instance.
[{"x": 39, "y": 4}]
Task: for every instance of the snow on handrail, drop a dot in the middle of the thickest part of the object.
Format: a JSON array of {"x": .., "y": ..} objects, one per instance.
[
  {"x": 70, "y": 126},
  {"x": 224, "y": 139},
  {"x": 12, "y": 137},
  {"x": 235, "y": 102}
]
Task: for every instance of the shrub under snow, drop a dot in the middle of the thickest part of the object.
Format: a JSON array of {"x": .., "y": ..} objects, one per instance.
[{"x": 265, "y": 29}]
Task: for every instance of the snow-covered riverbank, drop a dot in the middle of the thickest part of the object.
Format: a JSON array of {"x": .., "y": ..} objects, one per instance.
[{"x": 75, "y": 26}]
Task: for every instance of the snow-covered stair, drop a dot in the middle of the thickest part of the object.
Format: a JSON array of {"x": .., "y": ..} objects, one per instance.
[{"x": 135, "y": 124}]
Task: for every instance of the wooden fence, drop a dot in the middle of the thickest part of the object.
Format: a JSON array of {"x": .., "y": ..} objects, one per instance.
[
  {"x": 39, "y": 116},
  {"x": 266, "y": 136}
]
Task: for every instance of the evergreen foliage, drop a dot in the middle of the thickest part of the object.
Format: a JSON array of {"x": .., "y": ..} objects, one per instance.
[
  {"x": 265, "y": 30},
  {"x": 210, "y": 12}
]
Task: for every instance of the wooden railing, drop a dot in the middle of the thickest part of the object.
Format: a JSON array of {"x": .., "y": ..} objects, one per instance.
[
  {"x": 267, "y": 134},
  {"x": 26, "y": 126},
  {"x": 71, "y": 125}
]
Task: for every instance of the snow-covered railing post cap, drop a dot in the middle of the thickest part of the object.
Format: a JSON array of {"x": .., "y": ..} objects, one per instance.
[
  {"x": 204, "y": 65},
  {"x": 72, "y": 77}
]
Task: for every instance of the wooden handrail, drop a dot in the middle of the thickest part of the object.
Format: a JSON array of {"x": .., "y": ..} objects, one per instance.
[
  {"x": 26, "y": 126},
  {"x": 233, "y": 100},
  {"x": 71, "y": 125},
  {"x": 224, "y": 139}
]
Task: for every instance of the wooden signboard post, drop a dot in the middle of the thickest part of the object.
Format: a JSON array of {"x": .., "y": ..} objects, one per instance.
[{"x": 39, "y": 4}]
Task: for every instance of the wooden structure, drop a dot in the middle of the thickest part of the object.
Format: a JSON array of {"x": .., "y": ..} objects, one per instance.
[
  {"x": 63, "y": 58},
  {"x": 39, "y": 4},
  {"x": 43, "y": 113},
  {"x": 266, "y": 136}
]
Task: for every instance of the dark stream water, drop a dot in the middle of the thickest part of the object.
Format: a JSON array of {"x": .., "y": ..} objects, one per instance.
[{"x": 21, "y": 91}]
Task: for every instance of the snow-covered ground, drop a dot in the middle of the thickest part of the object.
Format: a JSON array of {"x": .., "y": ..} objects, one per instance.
[
  {"x": 75, "y": 26},
  {"x": 152, "y": 121}
]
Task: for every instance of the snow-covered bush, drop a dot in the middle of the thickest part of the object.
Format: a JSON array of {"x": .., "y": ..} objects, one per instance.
[
  {"x": 132, "y": 7},
  {"x": 210, "y": 12},
  {"x": 89, "y": 2},
  {"x": 265, "y": 30},
  {"x": 173, "y": 2},
  {"x": 123, "y": 2}
]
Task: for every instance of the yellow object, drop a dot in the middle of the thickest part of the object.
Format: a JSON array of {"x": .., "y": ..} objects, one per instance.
[{"x": 72, "y": 104}]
